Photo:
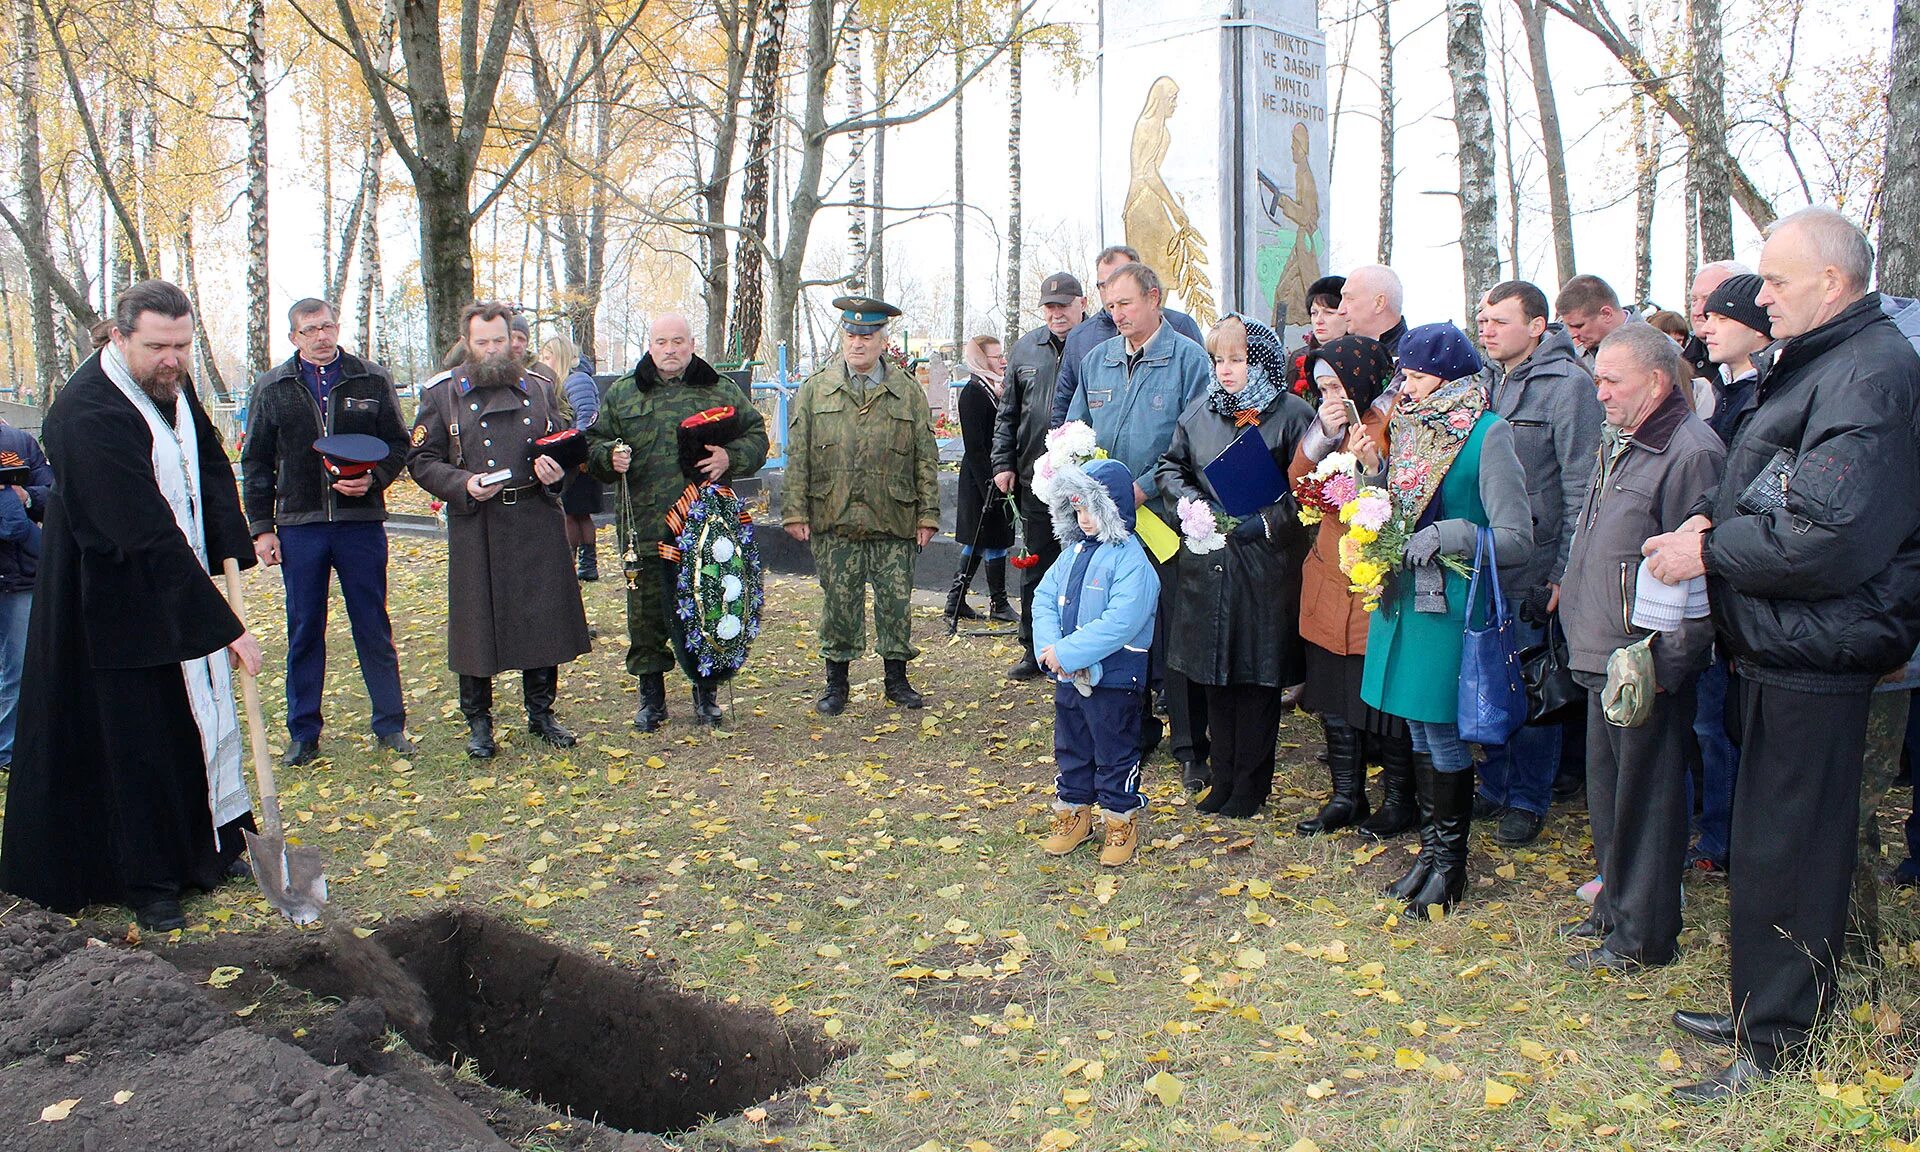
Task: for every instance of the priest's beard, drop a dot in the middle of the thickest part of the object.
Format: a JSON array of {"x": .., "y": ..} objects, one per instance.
[
  {"x": 494, "y": 372},
  {"x": 163, "y": 385}
]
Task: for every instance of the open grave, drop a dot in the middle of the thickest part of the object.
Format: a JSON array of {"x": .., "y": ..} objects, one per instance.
[{"x": 508, "y": 1039}]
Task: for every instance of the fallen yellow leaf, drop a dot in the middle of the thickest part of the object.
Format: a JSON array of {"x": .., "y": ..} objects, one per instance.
[
  {"x": 224, "y": 976},
  {"x": 1166, "y": 1087},
  {"x": 1500, "y": 1094},
  {"x": 54, "y": 1113},
  {"x": 1056, "y": 1139}
]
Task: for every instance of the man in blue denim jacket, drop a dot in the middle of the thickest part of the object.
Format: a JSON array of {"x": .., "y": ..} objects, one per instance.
[
  {"x": 1093, "y": 620},
  {"x": 1133, "y": 389}
]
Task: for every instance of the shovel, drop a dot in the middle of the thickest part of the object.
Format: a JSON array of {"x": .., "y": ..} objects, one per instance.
[{"x": 292, "y": 879}]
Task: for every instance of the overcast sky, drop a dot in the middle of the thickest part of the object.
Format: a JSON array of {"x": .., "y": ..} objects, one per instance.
[{"x": 1062, "y": 226}]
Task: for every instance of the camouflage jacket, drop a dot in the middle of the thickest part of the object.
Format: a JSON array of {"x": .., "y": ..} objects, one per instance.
[
  {"x": 861, "y": 469},
  {"x": 645, "y": 412}
]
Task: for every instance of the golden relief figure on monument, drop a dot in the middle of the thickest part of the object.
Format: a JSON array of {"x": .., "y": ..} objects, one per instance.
[{"x": 1155, "y": 223}]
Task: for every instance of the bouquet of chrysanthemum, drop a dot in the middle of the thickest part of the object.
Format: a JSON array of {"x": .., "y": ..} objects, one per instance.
[
  {"x": 1205, "y": 530},
  {"x": 1071, "y": 443},
  {"x": 1376, "y": 543},
  {"x": 1328, "y": 487}
]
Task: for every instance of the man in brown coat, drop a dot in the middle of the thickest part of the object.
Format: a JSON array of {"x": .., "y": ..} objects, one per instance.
[{"x": 512, "y": 600}]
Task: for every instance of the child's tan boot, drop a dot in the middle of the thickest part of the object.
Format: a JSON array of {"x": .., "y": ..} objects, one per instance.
[
  {"x": 1123, "y": 839},
  {"x": 1072, "y": 827}
]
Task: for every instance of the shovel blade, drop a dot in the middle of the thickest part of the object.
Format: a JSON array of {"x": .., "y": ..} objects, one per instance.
[{"x": 292, "y": 879}]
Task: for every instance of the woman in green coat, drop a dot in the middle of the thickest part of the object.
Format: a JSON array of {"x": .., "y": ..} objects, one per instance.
[{"x": 1452, "y": 470}]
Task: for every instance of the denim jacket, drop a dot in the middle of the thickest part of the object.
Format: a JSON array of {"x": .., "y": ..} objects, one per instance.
[{"x": 1134, "y": 417}]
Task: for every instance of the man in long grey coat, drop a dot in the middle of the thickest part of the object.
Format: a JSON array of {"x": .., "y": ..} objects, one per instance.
[
  {"x": 1543, "y": 390},
  {"x": 512, "y": 599}
]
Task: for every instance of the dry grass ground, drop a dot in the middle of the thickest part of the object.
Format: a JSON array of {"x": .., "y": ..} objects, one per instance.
[{"x": 878, "y": 876}]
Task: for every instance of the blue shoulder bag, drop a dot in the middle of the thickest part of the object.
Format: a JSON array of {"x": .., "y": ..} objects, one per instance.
[{"x": 1493, "y": 697}]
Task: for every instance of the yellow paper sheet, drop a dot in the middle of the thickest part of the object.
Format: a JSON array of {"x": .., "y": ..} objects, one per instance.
[{"x": 1159, "y": 539}]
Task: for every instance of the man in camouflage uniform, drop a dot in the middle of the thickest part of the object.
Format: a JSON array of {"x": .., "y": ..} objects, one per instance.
[
  {"x": 860, "y": 487},
  {"x": 635, "y": 447}
]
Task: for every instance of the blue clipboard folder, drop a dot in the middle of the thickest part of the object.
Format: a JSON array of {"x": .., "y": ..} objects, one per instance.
[{"x": 1245, "y": 475}]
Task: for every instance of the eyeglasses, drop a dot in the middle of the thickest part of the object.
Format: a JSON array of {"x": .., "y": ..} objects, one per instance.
[{"x": 312, "y": 330}]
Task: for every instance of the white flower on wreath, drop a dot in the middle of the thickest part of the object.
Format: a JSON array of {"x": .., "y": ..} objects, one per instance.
[
  {"x": 730, "y": 588},
  {"x": 729, "y": 627},
  {"x": 723, "y": 551}
]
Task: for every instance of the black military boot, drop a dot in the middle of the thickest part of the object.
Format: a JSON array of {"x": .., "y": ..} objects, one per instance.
[
  {"x": 1399, "y": 811},
  {"x": 706, "y": 703},
  {"x": 653, "y": 702},
  {"x": 833, "y": 700},
  {"x": 898, "y": 690},
  {"x": 589, "y": 569},
  {"x": 539, "y": 686},
  {"x": 957, "y": 607},
  {"x": 1000, "y": 608},
  {"x": 476, "y": 704},
  {"x": 1348, "y": 804}
]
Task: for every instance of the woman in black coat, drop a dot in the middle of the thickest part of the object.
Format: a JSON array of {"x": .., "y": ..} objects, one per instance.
[
  {"x": 1235, "y": 629},
  {"x": 982, "y": 525}
]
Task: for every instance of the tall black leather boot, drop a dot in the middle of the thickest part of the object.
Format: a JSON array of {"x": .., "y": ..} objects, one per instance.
[
  {"x": 652, "y": 711},
  {"x": 1399, "y": 811},
  {"x": 833, "y": 699},
  {"x": 1000, "y": 608},
  {"x": 1452, "y": 821},
  {"x": 589, "y": 569},
  {"x": 1415, "y": 877},
  {"x": 957, "y": 607},
  {"x": 539, "y": 686},
  {"x": 898, "y": 690},
  {"x": 1348, "y": 804},
  {"x": 476, "y": 704}
]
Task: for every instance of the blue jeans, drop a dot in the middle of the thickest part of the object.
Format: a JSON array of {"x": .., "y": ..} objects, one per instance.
[
  {"x": 1719, "y": 765},
  {"x": 1442, "y": 742},
  {"x": 357, "y": 551},
  {"x": 1519, "y": 773},
  {"x": 15, "y": 608},
  {"x": 1096, "y": 748}
]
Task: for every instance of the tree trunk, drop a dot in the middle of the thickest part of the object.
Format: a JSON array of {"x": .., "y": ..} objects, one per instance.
[
  {"x": 446, "y": 258},
  {"x": 1013, "y": 194},
  {"x": 804, "y": 200},
  {"x": 209, "y": 364},
  {"x": 749, "y": 291},
  {"x": 49, "y": 365},
  {"x": 877, "y": 233},
  {"x": 857, "y": 151},
  {"x": 738, "y": 26},
  {"x": 959, "y": 192},
  {"x": 1646, "y": 157},
  {"x": 255, "y": 86},
  {"x": 1899, "y": 271},
  {"x": 1385, "y": 247},
  {"x": 1473, "y": 125},
  {"x": 1560, "y": 203},
  {"x": 1707, "y": 155},
  {"x": 370, "y": 252}
]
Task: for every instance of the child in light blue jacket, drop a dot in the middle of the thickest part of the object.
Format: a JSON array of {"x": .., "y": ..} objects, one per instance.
[{"x": 1092, "y": 625}]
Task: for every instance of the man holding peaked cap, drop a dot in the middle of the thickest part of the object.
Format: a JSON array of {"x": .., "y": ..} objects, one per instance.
[
  {"x": 860, "y": 489},
  {"x": 635, "y": 446},
  {"x": 324, "y": 439}
]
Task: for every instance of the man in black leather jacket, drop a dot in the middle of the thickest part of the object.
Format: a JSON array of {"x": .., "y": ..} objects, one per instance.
[
  {"x": 1811, "y": 549},
  {"x": 1020, "y": 437}
]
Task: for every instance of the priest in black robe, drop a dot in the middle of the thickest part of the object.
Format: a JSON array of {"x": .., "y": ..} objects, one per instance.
[{"x": 126, "y": 785}]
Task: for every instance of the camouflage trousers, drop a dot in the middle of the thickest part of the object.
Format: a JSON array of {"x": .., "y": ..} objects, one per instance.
[
  {"x": 846, "y": 567},
  {"x": 655, "y": 639}
]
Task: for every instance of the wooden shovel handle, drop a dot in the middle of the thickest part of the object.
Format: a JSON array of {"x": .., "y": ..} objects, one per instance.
[{"x": 256, "y": 726}]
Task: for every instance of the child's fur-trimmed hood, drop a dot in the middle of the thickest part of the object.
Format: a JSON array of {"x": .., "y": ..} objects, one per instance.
[{"x": 1104, "y": 488}]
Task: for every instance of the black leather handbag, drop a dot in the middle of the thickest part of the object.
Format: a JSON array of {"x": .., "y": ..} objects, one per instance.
[{"x": 1551, "y": 692}]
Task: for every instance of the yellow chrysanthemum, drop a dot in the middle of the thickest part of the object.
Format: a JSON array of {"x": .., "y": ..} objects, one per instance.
[
  {"x": 1348, "y": 510},
  {"x": 1361, "y": 535}
]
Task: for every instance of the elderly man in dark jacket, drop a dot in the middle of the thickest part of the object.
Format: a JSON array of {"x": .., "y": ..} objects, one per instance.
[
  {"x": 1020, "y": 437},
  {"x": 1656, "y": 460},
  {"x": 1811, "y": 549},
  {"x": 1544, "y": 391},
  {"x": 312, "y": 524}
]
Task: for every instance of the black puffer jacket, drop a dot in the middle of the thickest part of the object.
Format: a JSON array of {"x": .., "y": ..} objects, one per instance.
[
  {"x": 282, "y": 481},
  {"x": 1824, "y": 595}
]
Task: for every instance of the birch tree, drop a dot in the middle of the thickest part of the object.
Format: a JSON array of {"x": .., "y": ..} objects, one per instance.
[
  {"x": 1473, "y": 126},
  {"x": 1899, "y": 250},
  {"x": 1707, "y": 155},
  {"x": 1384, "y": 251}
]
